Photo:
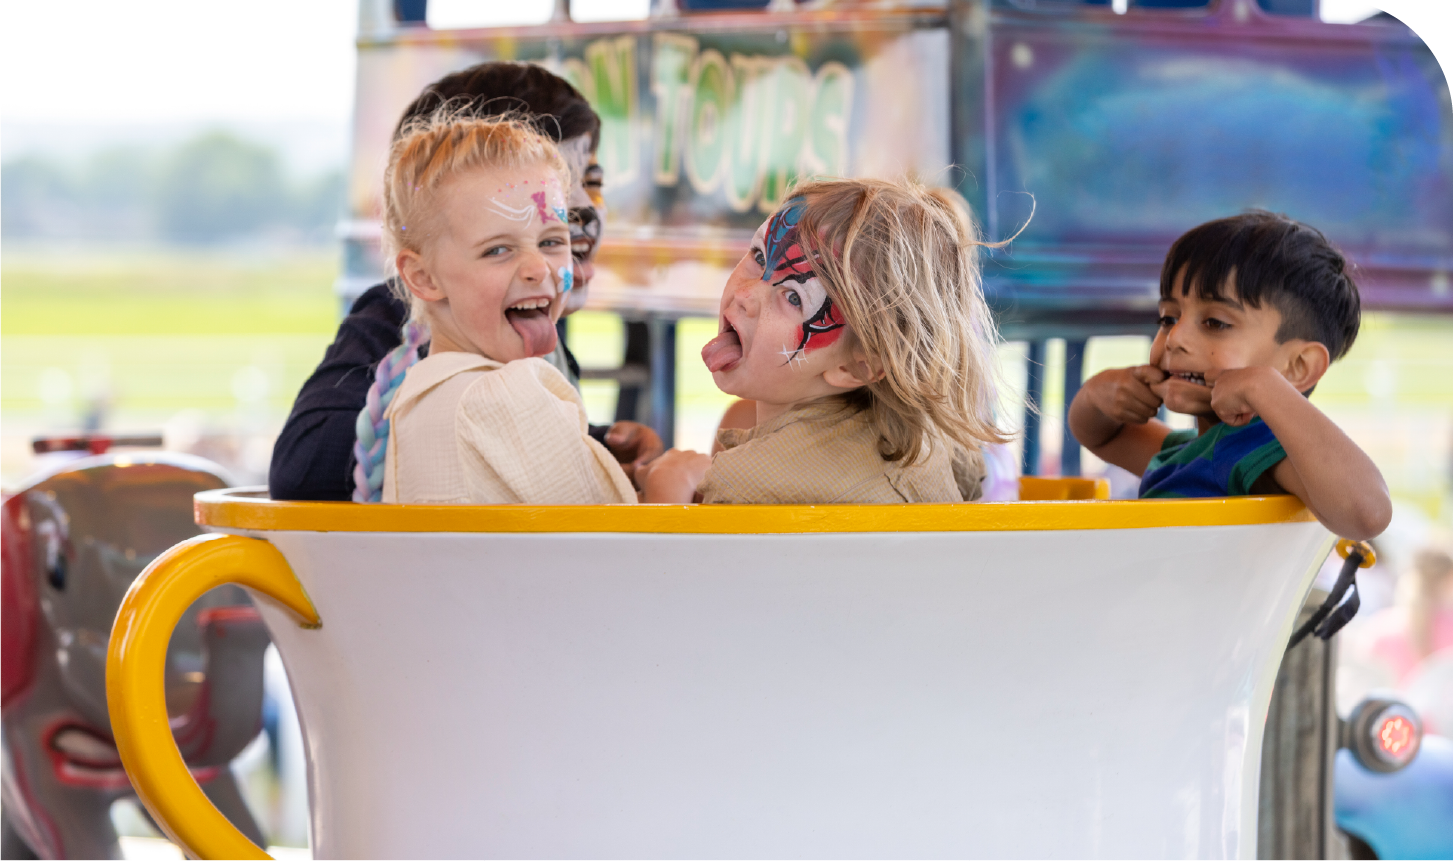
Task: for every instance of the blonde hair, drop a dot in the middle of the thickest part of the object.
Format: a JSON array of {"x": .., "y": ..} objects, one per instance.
[
  {"x": 901, "y": 262},
  {"x": 435, "y": 148}
]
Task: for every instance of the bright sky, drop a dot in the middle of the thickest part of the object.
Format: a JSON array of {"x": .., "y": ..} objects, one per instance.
[
  {"x": 165, "y": 61},
  {"x": 1346, "y": 11}
]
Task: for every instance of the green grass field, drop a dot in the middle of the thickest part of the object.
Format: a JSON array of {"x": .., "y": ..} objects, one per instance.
[
  {"x": 222, "y": 341},
  {"x": 170, "y": 293}
]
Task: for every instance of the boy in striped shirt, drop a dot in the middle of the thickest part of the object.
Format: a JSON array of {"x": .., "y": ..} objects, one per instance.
[{"x": 1253, "y": 309}]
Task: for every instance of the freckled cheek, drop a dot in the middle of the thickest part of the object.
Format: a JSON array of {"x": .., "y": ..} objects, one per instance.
[{"x": 768, "y": 335}]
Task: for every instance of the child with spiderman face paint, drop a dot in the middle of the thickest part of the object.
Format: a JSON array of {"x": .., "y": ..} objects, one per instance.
[
  {"x": 781, "y": 340},
  {"x": 857, "y": 324}
]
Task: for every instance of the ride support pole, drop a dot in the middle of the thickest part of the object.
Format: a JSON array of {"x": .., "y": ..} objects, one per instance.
[
  {"x": 1069, "y": 456},
  {"x": 1033, "y": 398}
]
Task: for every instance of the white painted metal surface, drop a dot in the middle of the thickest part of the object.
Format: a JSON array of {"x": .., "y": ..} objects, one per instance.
[{"x": 1008, "y": 694}]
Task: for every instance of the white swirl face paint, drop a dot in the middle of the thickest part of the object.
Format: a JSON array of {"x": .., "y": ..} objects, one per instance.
[
  {"x": 541, "y": 197},
  {"x": 520, "y": 214}
]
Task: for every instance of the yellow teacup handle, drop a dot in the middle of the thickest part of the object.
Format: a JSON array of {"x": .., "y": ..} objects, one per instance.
[{"x": 136, "y": 678}]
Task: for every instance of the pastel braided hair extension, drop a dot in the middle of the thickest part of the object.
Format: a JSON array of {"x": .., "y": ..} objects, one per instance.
[{"x": 372, "y": 427}]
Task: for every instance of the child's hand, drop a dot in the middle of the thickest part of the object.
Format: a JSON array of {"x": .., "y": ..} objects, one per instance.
[
  {"x": 1126, "y": 395},
  {"x": 1183, "y": 396},
  {"x": 1232, "y": 392},
  {"x": 672, "y": 477},
  {"x": 633, "y": 444},
  {"x": 1113, "y": 415}
]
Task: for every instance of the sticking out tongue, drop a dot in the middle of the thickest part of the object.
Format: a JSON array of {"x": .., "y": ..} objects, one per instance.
[
  {"x": 722, "y": 351},
  {"x": 535, "y": 329}
]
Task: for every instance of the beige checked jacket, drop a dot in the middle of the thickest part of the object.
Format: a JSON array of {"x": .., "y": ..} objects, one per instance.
[
  {"x": 469, "y": 430},
  {"x": 827, "y": 452}
]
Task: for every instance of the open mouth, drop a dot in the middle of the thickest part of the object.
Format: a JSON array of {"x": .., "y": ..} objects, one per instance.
[
  {"x": 1190, "y": 377},
  {"x": 530, "y": 318},
  {"x": 724, "y": 351}
]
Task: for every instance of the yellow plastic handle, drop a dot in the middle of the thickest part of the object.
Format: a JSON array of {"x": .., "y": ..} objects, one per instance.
[
  {"x": 1345, "y": 546},
  {"x": 136, "y": 686}
]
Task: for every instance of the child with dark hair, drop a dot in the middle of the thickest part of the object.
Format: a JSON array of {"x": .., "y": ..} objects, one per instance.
[
  {"x": 1253, "y": 309},
  {"x": 313, "y": 457}
]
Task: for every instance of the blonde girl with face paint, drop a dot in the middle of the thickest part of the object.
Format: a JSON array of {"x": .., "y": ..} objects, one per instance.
[
  {"x": 857, "y": 325},
  {"x": 475, "y": 216}
]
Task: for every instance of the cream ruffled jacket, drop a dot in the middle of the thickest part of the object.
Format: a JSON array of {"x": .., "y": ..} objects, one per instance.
[{"x": 469, "y": 430}]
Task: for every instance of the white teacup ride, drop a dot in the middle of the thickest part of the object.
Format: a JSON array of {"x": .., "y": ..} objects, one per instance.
[{"x": 1049, "y": 678}]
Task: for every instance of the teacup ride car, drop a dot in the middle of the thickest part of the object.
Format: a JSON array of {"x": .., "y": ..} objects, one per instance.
[
  {"x": 1069, "y": 676},
  {"x": 708, "y": 114}
]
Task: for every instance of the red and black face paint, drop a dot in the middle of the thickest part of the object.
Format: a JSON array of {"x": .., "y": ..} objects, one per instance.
[
  {"x": 787, "y": 261},
  {"x": 823, "y": 328}
]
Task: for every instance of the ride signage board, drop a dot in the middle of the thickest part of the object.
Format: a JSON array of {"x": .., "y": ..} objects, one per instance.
[
  {"x": 732, "y": 125},
  {"x": 703, "y": 129},
  {"x": 1131, "y": 129},
  {"x": 1119, "y": 132}
]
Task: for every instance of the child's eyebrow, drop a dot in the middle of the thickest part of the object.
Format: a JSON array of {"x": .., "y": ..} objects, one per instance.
[
  {"x": 514, "y": 236},
  {"x": 1234, "y": 303}
]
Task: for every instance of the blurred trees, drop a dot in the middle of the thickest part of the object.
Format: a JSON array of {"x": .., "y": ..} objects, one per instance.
[
  {"x": 214, "y": 188},
  {"x": 217, "y": 185},
  {"x": 33, "y": 193}
]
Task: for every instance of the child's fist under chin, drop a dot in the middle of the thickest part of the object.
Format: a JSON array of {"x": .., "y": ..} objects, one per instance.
[
  {"x": 1234, "y": 392},
  {"x": 672, "y": 477}
]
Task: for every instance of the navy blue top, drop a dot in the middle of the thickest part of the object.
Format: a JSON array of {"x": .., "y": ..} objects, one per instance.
[
  {"x": 313, "y": 456},
  {"x": 1223, "y": 461}
]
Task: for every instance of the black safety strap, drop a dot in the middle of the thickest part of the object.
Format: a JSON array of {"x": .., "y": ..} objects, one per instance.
[{"x": 1330, "y": 617}]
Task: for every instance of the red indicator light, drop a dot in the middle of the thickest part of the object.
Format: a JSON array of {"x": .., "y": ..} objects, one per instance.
[
  {"x": 1383, "y": 734},
  {"x": 1396, "y": 735}
]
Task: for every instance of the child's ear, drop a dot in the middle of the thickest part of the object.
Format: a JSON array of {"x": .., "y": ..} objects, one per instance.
[
  {"x": 416, "y": 277},
  {"x": 857, "y": 370},
  {"x": 1304, "y": 363}
]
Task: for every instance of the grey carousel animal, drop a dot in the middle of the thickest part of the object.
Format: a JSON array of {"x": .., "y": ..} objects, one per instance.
[{"x": 73, "y": 542}]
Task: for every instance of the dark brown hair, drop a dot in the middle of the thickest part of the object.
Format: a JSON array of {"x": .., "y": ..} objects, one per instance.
[
  {"x": 556, "y": 109},
  {"x": 1271, "y": 259}
]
